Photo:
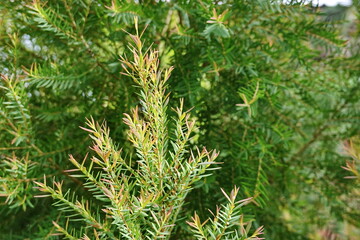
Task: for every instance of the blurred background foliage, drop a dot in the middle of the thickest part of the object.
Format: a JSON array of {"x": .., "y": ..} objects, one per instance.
[{"x": 274, "y": 87}]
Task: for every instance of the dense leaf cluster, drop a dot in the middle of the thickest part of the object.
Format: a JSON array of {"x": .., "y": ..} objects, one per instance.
[{"x": 274, "y": 87}]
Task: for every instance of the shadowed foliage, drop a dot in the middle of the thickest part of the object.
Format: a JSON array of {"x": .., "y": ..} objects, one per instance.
[{"x": 273, "y": 86}]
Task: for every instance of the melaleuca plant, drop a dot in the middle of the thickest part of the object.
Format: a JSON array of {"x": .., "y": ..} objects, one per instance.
[
  {"x": 15, "y": 169},
  {"x": 269, "y": 82},
  {"x": 141, "y": 197},
  {"x": 352, "y": 148},
  {"x": 228, "y": 222}
]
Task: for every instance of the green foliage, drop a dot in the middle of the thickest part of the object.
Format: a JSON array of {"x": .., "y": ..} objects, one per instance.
[
  {"x": 53, "y": 77},
  {"x": 274, "y": 87},
  {"x": 141, "y": 202},
  {"x": 225, "y": 222},
  {"x": 14, "y": 110},
  {"x": 15, "y": 184}
]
